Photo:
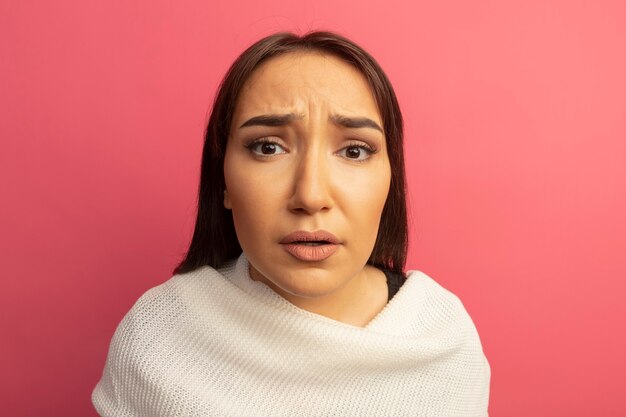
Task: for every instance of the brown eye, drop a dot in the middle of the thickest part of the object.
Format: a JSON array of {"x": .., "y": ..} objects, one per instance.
[
  {"x": 268, "y": 148},
  {"x": 357, "y": 153},
  {"x": 265, "y": 148},
  {"x": 353, "y": 152}
]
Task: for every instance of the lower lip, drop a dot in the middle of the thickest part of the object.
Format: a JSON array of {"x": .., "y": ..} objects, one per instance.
[{"x": 310, "y": 253}]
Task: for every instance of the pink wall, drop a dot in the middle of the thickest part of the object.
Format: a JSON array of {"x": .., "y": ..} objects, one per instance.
[{"x": 516, "y": 148}]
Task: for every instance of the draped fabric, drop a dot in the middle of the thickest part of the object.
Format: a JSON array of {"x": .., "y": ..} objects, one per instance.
[{"x": 216, "y": 343}]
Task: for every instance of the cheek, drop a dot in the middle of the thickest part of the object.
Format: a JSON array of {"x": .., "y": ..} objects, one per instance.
[
  {"x": 367, "y": 188},
  {"x": 364, "y": 196},
  {"x": 253, "y": 201}
]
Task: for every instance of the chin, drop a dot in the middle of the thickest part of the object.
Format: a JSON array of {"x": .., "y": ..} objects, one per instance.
[{"x": 309, "y": 285}]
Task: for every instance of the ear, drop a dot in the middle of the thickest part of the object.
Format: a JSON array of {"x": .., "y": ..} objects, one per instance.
[{"x": 227, "y": 204}]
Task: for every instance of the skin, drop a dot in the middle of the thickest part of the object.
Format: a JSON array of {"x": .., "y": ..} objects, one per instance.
[{"x": 318, "y": 175}]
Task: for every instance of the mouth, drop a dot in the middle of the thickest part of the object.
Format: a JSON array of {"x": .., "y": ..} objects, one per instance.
[
  {"x": 319, "y": 237},
  {"x": 314, "y": 243},
  {"x": 310, "y": 246}
]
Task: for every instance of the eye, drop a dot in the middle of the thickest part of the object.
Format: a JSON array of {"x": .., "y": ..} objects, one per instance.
[
  {"x": 357, "y": 152},
  {"x": 265, "y": 147}
]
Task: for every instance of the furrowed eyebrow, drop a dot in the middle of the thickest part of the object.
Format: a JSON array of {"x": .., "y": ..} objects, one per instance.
[
  {"x": 285, "y": 119},
  {"x": 355, "y": 122},
  {"x": 272, "y": 120}
]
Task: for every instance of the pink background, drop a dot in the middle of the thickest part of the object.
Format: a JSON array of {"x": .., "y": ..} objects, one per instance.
[{"x": 516, "y": 150}]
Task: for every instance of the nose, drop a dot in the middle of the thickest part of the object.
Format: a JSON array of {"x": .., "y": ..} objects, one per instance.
[{"x": 311, "y": 183}]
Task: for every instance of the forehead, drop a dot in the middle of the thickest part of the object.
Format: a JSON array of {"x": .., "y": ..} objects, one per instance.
[{"x": 304, "y": 82}]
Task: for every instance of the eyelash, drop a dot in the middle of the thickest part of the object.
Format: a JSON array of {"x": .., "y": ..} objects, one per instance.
[
  {"x": 252, "y": 144},
  {"x": 363, "y": 146},
  {"x": 360, "y": 145}
]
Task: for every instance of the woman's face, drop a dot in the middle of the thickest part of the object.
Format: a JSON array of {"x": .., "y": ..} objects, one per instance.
[{"x": 306, "y": 152}]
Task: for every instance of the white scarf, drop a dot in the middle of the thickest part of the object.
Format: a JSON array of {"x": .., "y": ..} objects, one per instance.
[{"x": 217, "y": 343}]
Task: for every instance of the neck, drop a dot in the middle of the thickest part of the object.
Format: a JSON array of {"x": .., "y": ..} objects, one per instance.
[{"x": 356, "y": 303}]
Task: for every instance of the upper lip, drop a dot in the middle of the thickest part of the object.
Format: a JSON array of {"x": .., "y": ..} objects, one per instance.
[{"x": 304, "y": 236}]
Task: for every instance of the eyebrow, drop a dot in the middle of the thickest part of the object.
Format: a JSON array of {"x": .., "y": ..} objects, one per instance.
[
  {"x": 355, "y": 122},
  {"x": 285, "y": 119},
  {"x": 272, "y": 120}
]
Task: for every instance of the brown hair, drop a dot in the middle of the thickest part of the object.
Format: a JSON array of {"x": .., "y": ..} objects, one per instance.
[{"x": 214, "y": 239}]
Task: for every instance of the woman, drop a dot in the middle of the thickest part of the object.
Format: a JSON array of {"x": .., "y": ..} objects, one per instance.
[{"x": 292, "y": 298}]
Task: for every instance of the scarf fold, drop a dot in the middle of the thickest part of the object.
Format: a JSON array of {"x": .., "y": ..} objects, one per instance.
[{"x": 216, "y": 343}]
